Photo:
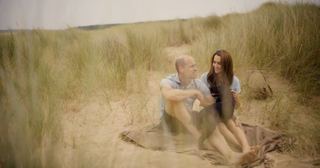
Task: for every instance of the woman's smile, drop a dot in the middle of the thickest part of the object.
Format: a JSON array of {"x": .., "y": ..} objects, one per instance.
[{"x": 217, "y": 64}]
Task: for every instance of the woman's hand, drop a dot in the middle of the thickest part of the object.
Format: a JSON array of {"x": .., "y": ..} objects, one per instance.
[
  {"x": 236, "y": 98},
  {"x": 235, "y": 95},
  {"x": 238, "y": 123}
]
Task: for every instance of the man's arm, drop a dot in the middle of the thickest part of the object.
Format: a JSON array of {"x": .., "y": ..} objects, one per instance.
[
  {"x": 208, "y": 101},
  {"x": 179, "y": 95}
]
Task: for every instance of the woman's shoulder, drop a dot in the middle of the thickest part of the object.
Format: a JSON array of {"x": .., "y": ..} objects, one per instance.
[
  {"x": 235, "y": 79},
  {"x": 203, "y": 79},
  {"x": 235, "y": 84},
  {"x": 204, "y": 76}
]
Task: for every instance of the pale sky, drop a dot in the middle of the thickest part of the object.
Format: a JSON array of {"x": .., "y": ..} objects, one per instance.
[{"x": 59, "y": 14}]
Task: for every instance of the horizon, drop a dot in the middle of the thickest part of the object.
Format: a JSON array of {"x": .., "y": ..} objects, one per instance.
[{"x": 59, "y": 15}]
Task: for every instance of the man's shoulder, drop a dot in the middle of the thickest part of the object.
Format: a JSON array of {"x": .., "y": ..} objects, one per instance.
[
  {"x": 170, "y": 80},
  {"x": 202, "y": 87},
  {"x": 171, "y": 77},
  {"x": 199, "y": 83},
  {"x": 197, "y": 80}
]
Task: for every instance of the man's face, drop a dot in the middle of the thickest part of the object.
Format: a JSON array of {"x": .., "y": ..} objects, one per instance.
[{"x": 190, "y": 69}]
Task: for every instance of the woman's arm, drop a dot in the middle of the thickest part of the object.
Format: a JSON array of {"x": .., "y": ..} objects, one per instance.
[
  {"x": 236, "y": 98},
  {"x": 237, "y": 121}
]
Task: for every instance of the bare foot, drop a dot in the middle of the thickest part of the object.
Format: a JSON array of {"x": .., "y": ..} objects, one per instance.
[
  {"x": 243, "y": 158},
  {"x": 250, "y": 156},
  {"x": 245, "y": 150},
  {"x": 256, "y": 148}
]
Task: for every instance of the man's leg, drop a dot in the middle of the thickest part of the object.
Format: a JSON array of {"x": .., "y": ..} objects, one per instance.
[{"x": 179, "y": 111}]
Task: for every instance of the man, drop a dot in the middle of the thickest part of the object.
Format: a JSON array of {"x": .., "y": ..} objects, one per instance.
[{"x": 178, "y": 93}]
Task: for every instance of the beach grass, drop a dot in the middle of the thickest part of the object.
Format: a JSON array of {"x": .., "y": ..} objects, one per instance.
[
  {"x": 41, "y": 71},
  {"x": 282, "y": 39}
]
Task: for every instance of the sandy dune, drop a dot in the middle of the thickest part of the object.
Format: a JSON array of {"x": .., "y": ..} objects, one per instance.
[{"x": 91, "y": 128}]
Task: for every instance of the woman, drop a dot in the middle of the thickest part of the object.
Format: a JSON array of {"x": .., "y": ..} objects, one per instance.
[{"x": 222, "y": 83}]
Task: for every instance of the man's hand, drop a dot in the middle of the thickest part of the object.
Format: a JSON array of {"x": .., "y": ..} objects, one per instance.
[
  {"x": 199, "y": 96},
  {"x": 207, "y": 101},
  {"x": 202, "y": 99},
  {"x": 196, "y": 106}
]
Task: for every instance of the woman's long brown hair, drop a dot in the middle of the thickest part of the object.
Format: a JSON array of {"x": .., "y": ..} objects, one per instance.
[{"x": 226, "y": 67}]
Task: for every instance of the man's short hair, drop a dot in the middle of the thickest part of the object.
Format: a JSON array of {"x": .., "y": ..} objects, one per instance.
[{"x": 180, "y": 62}]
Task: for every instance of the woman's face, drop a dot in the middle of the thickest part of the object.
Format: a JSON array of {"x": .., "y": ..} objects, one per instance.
[{"x": 217, "y": 64}]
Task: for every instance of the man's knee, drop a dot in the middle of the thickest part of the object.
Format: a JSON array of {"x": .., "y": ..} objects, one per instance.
[
  {"x": 175, "y": 103},
  {"x": 173, "y": 106}
]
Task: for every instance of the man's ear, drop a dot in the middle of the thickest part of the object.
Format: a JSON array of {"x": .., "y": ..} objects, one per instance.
[{"x": 181, "y": 69}]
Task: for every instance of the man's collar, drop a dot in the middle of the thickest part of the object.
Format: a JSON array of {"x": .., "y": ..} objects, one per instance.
[{"x": 177, "y": 79}]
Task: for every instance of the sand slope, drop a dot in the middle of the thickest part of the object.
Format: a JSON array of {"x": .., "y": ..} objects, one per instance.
[{"x": 91, "y": 127}]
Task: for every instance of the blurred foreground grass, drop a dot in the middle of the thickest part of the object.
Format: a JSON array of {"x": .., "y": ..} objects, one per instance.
[{"x": 40, "y": 70}]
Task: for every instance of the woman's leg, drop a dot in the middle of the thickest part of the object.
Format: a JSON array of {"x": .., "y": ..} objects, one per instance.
[
  {"x": 218, "y": 141},
  {"x": 239, "y": 134},
  {"x": 227, "y": 134}
]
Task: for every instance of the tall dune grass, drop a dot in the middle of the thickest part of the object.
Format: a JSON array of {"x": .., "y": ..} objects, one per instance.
[
  {"x": 28, "y": 117},
  {"x": 41, "y": 70},
  {"x": 283, "y": 39},
  {"x": 181, "y": 32}
]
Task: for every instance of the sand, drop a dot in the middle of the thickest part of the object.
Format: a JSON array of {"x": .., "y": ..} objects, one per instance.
[{"x": 91, "y": 127}]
